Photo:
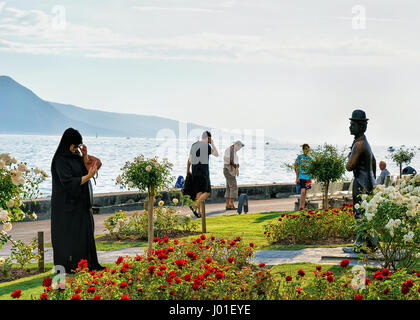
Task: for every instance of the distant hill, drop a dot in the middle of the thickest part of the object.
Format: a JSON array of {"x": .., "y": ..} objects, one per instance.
[{"x": 23, "y": 112}]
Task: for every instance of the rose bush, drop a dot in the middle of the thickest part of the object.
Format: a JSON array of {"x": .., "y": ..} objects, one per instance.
[
  {"x": 309, "y": 226},
  {"x": 392, "y": 215},
  {"x": 203, "y": 268},
  {"x": 165, "y": 220},
  {"x": 17, "y": 183}
]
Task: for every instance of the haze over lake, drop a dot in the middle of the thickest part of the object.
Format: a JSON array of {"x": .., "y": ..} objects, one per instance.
[{"x": 259, "y": 163}]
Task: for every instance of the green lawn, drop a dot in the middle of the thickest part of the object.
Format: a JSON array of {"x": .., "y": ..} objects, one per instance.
[{"x": 250, "y": 227}]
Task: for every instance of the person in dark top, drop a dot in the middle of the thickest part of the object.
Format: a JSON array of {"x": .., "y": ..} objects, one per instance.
[
  {"x": 198, "y": 160},
  {"x": 72, "y": 224}
]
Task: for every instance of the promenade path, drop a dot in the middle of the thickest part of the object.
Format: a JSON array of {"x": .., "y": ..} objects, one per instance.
[{"x": 27, "y": 231}]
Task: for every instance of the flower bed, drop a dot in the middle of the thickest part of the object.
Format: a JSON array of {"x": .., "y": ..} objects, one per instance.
[
  {"x": 332, "y": 225},
  {"x": 201, "y": 269},
  {"x": 207, "y": 269}
]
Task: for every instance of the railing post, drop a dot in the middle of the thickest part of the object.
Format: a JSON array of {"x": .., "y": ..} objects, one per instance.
[
  {"x": 203, "y": 216},
  {"x": 41, "y": 251}
]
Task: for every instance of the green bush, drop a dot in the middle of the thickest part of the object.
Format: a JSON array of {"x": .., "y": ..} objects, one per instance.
[{"x": 308, "y": 226}]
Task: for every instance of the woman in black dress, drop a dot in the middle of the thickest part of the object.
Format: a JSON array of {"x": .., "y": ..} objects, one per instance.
[{"x": 72, "y": 224}]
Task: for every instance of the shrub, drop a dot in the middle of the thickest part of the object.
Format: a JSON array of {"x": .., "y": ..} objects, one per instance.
[
  {"x": 392, "y": 215},
  {"x": 307, "y": 226},
  {"x": 201, "y": 269},
  {"x": 165, "y": 221}
]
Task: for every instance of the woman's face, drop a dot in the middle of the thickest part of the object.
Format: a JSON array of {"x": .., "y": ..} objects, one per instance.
[{"x": 74, "y": 148}]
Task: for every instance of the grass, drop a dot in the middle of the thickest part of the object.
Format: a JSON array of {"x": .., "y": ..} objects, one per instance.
[
  {"x": 112, "y": 245},
  {"x": 250, "y": 227}
]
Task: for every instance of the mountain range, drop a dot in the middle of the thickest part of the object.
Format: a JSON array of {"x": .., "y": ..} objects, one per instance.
[{"x": 23, "y": 112}]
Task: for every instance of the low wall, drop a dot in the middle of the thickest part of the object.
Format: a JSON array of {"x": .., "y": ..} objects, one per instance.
[{"x": 129, "y": 201}]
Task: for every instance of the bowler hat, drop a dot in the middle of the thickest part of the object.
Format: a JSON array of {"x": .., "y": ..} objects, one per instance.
[{"x": 358, "y": 115}]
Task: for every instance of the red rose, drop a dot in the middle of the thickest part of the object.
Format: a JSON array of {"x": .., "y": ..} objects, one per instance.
[
  {"x": 261, "y": 265},
  {"x": 345, "y": 263},
  {"x": 187, "y": 277},
  {"x": 231, "y": 259},
  {"x": 330, "y": 278},
  {"x": 76, "y": 297},
  {"x": 125, "y": 297},
  {"x": 203, "y": 237},
  {"x": 91, "y": 290},
  {"x": 151, "y": 268},
  {"x": 379, "y": 277},
  {"x": 123, "y": 285},
  {"x": 208, "y": 260},
  {"x": 162, "y": 268},
  {"x": 301, "y": 272},
  {"x": 289, "y": 278},
  {"x": 385, "y": 272},
  {"x": 82, "y": 264},
  {"x": 358, "y": 297},
  {"x": 386, "y": 290},
  {"x": 405, "y": 290},
  {"x": 119, "y": 260},
  {"x": 251, "y": 245},
  {"x": 16, "y": 294},
  {"x": 43, "y": 296},
  {"x": 318, "y": 268},
  {"x": 97, "y": 297},
  {"x": 219, "y": 276},
  {"x": 47, "y": 282},
  {"x": 408, "y": 283},
  {"x": 138, "y": 258},
  {"x": 367, "y": 281},
  {"x": 159, "y": 273}
]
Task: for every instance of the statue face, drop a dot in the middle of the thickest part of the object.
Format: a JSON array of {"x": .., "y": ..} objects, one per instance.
[{"x": 356, "y": 128}]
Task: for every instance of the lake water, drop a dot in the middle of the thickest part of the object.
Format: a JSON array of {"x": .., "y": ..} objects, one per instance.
[{"x": 259, "y": 162}]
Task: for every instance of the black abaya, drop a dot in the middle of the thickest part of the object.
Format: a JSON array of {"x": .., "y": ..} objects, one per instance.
[{"x": 72, "y": 224}]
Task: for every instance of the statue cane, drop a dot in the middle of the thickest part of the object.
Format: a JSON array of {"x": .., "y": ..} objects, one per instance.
[{"x": 363, "y": 164}]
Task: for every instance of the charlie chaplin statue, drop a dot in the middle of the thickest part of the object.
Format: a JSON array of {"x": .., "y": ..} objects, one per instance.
[{"x": 363, "y": 164}]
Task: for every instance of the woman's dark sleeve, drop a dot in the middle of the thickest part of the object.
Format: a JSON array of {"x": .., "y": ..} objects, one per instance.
[{"x": 68, "y": 180}]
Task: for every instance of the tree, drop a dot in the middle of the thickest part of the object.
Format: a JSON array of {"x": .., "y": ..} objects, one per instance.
[
  {"x": 147, "y": 174},
  {"x": 327, "y": 165},
  {"x": 402, "y": 156}
]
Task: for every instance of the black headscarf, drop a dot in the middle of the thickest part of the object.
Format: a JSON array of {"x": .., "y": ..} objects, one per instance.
[{"x": 70, "y": 136}]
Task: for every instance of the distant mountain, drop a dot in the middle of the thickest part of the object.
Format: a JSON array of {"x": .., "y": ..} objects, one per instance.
[{"x": 23, "y": 112}]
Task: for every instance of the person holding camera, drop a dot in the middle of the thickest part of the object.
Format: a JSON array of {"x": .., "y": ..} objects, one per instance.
[
  {"x": 198, "y": 167},
  {"x": 72, "y": 223}
]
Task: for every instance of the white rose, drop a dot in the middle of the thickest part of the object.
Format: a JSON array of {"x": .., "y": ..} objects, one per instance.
[
  {"x": 34, "y": 216},
  {"x": 10, "y": 204},
  {"x": 148, "y": 168},
  {"x": 7, "y": 226},
  {"x": 2, "y": 261},
  {"x": 22, "y": 168},
  {"x": 409, "y": 236},
  {"x": 130, "y": 184},
  {"x": 3, "y": 215},
  {"x": 175, "y": 201},
  {"x": 161, "y": 203},
  {"x": 164, "y": 210}
]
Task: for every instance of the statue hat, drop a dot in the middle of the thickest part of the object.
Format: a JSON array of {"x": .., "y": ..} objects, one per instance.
[{"x": 358, "y": 115}]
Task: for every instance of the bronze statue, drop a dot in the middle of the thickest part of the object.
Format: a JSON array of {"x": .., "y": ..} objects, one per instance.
[{"x": 363, "y": 164}]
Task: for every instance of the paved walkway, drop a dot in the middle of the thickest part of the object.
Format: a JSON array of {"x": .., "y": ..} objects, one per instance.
[{"x": 27, "y": 231}]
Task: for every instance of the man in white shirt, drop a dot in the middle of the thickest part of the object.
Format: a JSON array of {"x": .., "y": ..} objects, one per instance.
[{"x": 230, "y": 169}]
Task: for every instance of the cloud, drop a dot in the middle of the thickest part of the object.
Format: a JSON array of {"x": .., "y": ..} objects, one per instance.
[
  {"x": 175, "y": 9},
  {"x": 32, "y": 31}
]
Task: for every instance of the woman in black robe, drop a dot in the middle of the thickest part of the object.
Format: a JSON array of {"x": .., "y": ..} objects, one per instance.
[{"x": 72, "y": 224}]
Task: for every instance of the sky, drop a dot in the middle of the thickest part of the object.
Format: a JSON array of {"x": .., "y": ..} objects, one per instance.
[{"x": 296, "y": 69}]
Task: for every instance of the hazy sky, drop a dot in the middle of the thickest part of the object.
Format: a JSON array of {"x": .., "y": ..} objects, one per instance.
[{"x": 294, "y": 68}]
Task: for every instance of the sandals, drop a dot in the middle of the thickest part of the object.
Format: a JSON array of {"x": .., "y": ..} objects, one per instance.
[{"x": 195, "y": 212}]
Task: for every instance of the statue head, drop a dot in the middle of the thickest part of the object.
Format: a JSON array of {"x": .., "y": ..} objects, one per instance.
[{"x": 358, "y": 123}]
